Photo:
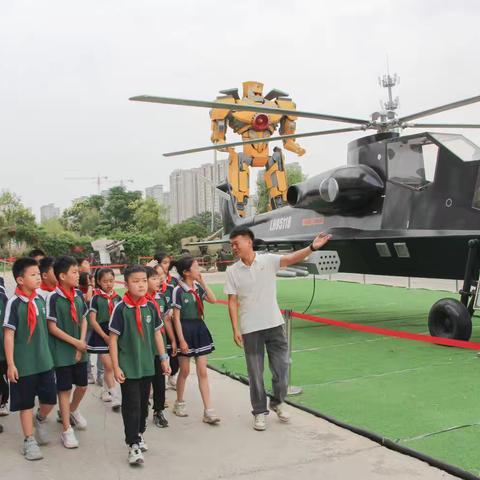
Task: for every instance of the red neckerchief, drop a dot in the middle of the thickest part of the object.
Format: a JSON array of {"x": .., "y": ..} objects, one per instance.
[
  {"x": 164, "y": 286},
  {"x": 44, "y": 286},
  {"x": 83, "y": 289},
  {"x": 128, "y": 300},
  {"x": 152, "y": 299},
  {"x": 31, "y": 310},
  {"x": 70, "y": 296},
  {"x": 108, "y": 297},
  {"x": 198, "y": 301}
]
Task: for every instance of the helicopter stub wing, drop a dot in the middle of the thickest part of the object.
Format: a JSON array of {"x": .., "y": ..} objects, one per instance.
[
  {"x": 219, "y": 146},
  {"x": 247, "y": 108}
]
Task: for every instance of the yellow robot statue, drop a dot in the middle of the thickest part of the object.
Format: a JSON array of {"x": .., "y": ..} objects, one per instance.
[{"x": 251, "y": 125}]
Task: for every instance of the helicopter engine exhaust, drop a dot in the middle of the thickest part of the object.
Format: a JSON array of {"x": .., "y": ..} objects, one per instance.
[{"x": 342, "y": 189}]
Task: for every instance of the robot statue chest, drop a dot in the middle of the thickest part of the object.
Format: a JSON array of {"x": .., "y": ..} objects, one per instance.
[{"x": 256, "y": 121}]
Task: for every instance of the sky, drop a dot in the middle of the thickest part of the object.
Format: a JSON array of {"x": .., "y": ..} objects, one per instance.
[{"x": 68, "y": 68}]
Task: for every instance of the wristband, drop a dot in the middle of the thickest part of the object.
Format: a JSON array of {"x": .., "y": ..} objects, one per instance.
[
  {"x": 164, "y": 356},
  {"x": 311, "y": 248}
]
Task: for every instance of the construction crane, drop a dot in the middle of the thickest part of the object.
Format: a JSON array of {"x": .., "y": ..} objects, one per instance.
[
  {"x": 98, "y": 180},
  {"x": 122, "y": 181}
]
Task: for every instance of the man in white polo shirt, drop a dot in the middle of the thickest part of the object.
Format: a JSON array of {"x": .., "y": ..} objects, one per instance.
[{"x": 252, "y": 288}]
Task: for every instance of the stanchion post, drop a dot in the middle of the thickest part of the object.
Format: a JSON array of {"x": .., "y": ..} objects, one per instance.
[{"x": 292, "y": 390}]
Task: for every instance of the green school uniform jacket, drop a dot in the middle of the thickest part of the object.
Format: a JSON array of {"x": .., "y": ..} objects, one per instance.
[
  {"x": 136, "y": 353},
  {"x": 99, "y": 305},
  {"x": 58, "y": 311},
  {"x": 31, "y": 355},
  {"x": 185, "y": 301}
]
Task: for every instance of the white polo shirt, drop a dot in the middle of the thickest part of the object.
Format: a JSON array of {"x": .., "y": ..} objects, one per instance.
[{"x": 256, "y": 288}]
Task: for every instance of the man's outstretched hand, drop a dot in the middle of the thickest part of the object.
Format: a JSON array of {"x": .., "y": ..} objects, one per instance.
[{"x": 320, "y": 240}]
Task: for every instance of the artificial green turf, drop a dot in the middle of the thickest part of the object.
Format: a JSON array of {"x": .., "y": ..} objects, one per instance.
[{"x": 402, "y": 389}]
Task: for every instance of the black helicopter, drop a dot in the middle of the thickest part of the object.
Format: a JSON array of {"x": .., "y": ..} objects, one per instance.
[{"x": 403, "y": 205}]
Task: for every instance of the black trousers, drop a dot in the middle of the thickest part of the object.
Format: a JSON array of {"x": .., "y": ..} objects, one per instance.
[
  {"x": 158, "y": 384},
  {"x": 135, "y": 393},
  {"x": 4, "y": 390}
]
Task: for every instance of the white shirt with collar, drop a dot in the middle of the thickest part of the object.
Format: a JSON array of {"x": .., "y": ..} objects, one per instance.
[{"x": 256, "y": 289}]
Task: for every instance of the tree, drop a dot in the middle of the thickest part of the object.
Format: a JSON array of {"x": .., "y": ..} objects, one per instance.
[
  {"x": 187, "y": 228},
  {"x": 85, "y": 216},
  {"x": 205, "y": 219},
  {"x": 149, "y": 216},
  {"x": 120, "y": 208},
  {"x": 294, "y": 175},
  {"x": 16, "y": 221}
]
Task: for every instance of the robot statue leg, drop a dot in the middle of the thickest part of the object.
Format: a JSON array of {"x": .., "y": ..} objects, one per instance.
[
  {"x": 238, "y": 177},
  {"x": 276, "y": 179}
]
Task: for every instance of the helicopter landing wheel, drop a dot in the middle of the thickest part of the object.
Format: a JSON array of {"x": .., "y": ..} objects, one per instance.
[{"x": 449, "y": 318}]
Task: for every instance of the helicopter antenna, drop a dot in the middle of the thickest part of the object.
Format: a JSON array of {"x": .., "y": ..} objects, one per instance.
[{"x": 389, "y": 81}]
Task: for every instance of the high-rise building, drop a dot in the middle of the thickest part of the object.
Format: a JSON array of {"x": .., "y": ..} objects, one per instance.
[
  {"x": 191, "y": 191},
  {"x": 48, "y": 212}
]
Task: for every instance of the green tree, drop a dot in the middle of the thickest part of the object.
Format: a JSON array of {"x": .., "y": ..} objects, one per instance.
[
  {"x": 294, "y": 175},
  {"x": 120, "y": 207},
  {"x": 205, "y": 219},
  {"x": 16, "y": 221},
  {"x": 85, "y": 216},
  {"x": 149, "y": 216},
  {"x": 187, "y": 228}
]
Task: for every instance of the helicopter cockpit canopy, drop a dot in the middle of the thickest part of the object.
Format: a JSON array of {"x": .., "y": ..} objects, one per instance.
[{"x": 411, "y": 161}]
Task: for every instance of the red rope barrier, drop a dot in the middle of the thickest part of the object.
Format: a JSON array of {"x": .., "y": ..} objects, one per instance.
[{"x": 383, "y": 331}]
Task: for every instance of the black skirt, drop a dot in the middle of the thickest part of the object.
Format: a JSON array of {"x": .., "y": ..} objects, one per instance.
[
  {"x": 198, "y": 338},
  {"x": 95, "y": 343}
]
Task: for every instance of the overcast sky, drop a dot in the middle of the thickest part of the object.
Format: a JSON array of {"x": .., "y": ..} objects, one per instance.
[{"x": 67, "y": 69}]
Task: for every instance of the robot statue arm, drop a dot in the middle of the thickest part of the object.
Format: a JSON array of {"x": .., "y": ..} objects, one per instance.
[
  {"x": 287, "y": 127},
  {"x": 219, "y": 117}
]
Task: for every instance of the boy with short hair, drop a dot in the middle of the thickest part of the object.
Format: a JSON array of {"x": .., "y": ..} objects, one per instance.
[
  {"x": 49, "y": 281},
  {"x": 135, "y": 339},
  {"x": 67, "y": 324},
  {"x": 29, "y": 360}
]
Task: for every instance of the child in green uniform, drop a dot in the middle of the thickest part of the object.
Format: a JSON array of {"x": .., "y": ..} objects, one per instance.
[
  {"x": 194, "y": 339},
  {"x": 101, "y": 308},
  {"x": 4, "y": 389},
  {"x": 135, "y": 339},
  {"x": 66, "y": 315},
  {"x": 167, "y": 285},
  {"x": 158, "y": 381},
  {"x": 29, "y": 360}
]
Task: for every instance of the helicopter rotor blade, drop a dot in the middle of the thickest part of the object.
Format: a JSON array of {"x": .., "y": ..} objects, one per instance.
[
  {"x": 248, "y": 108},
  {"x": 443, "y": 108},
  {"x": 220, "y": 146},
  {"x": 440, "y": 125}
]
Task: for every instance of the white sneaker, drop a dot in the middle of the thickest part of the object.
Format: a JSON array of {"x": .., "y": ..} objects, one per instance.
[
  {"x": 142, "y": 445},
  {"x": 172, "y": 382},
  {"x": 106, "y": 396},
  {"x": 210, "y": 417},
  {"x": 135, "y": 456},
  {"x": 179, "y": 409},
  {"x": 41, "y": 431},
  {"x": 78, "y": 420},
  {"x": 30, "y": 449},
  {"x": 281, "y": 412},
  {"x": 259, "y": 422},
  {"x": 116, "y": 403},
  {"x": 4, "y": 410},
  {"x": 69, "y": 439}
]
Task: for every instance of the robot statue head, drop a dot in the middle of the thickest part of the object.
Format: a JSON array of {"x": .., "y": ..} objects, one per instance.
[{"x": 253, "y": 91}]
